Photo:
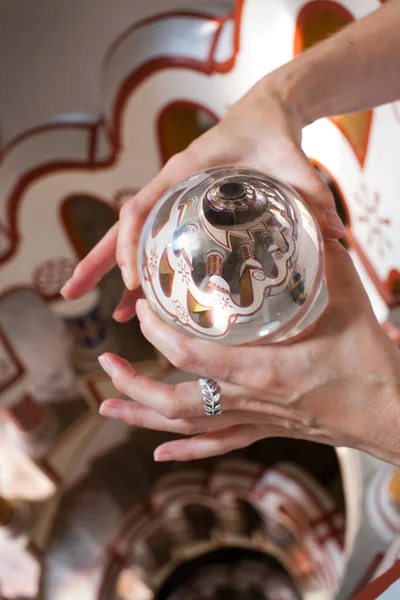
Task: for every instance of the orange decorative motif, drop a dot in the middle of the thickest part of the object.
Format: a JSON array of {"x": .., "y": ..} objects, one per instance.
[
  {"x": 316, "y": 21},
  {"x": 394, "y": 488},
  {"x": 6, "y": 512}
]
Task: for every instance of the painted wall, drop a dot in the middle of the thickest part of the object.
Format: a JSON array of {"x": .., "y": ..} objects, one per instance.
[{"x": 51, "y": 52}]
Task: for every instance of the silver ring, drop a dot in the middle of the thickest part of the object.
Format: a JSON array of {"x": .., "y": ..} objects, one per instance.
[{"x": 211, "y": 397}]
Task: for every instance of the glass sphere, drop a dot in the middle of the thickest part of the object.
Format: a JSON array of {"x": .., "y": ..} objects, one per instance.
[{"x": 234, "y": 256}]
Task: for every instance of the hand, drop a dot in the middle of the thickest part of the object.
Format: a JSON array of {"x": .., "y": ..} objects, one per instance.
[
  {"x": 262, "y": 131},
  {"x": 338, "y": 386}
]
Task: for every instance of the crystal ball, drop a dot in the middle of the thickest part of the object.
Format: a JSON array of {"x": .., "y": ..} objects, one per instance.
[{"x": 234, "y": 256}]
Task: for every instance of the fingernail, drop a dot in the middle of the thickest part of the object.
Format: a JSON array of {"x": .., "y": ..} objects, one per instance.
[
  {"x": 106, "y": 364},
  {"x": 106, "y": 410},
  {"x": 115, "y": 314},
  {"x": 126, "y": 276},
  {"x": 65, "y": 287},
  {"x": 162, "y": 456},
  {"x": 334, "y": 221}
]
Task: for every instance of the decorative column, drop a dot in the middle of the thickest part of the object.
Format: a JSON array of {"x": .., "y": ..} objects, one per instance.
[
  {"x": 90, "y": 333},
  {"x": 214, "y": 263},
  {"x": 251, "y": 271},
  {"x": 178, "y": 525},
  {"x": 229, "y": 515}
]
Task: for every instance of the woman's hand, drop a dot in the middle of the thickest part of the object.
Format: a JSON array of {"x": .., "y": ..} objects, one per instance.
[
  {"x": 339, "y": 386},
  {"x": 262, "y": 131}
]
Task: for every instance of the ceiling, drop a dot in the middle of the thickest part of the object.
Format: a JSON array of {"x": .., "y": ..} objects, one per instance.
[{"x": 51, "y": 52}]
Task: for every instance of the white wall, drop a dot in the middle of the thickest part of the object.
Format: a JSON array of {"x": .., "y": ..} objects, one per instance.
[{"x": 51, "y": 52}]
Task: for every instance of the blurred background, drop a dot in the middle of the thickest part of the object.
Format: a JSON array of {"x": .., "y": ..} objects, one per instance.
[{"x": 95, "y": 96}]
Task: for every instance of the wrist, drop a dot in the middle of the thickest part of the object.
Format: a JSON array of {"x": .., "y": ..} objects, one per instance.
[
  {"x": 292, "y": 84},
  {"x": 383, "y": 440}
]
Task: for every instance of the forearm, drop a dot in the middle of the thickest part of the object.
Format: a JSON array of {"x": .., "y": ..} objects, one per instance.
[
  {"x": 355, "y": 69},
  {"x": 381, "y": 401},
  {"x": 381, "y": 439}
]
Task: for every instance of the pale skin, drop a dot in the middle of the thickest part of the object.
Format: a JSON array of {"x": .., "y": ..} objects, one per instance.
[{"x": 340, "y": 385}]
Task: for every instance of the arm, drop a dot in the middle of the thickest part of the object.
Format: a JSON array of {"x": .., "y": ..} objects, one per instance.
[
  {"x": 340, "y": 385},
  {"x": 355, "y": 69}
]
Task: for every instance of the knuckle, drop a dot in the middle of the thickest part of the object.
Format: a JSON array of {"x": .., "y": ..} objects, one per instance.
[
  {"x": 145, "y": 328},
  {"x": 183, "y": 356},
  {"x": 171, "y": 410},
  {"x": 194, "y": 150},
  {"x": 288, "y": 425},
  {"x": 176, "y": 161},
  {"x": 188, "y": 427},
  {"x": 292, "y": 429},
  {"x": 287, "y": 146},
  {"x": 321, "y": 191},
  {"x": 178, "y": 358},
  {"x": 268, "y": 377},
  {"x": 133, "y": 418},
  {"x": 126, "y": 209}
]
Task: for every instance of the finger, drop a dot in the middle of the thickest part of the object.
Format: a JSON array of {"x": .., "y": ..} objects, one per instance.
[
  {"x": 133, "y": 213},
  {"x": 136, "y": 414},
  {"x": 303, "y": 177},
  {"x": 90, "y": 270},
  {"x": 342, "y": 277},
  {"x": 126, "y": 308},
  {"x": 184, "y": 400},
  {"x": 209, "y": 444},
  {"x": 173, "y": 402},
  {"x": 269, "y": 368},
  {"x": 306, "y": 180}
]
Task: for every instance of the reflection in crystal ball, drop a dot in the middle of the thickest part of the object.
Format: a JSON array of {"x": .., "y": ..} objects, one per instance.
[{"x": 234, "y": 256}]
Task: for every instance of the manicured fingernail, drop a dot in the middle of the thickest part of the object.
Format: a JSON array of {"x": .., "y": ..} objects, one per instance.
[
  {"x": 127, "y": 277},
  {"x": 106, "y": 364},
  {"x": 115, "y": 314},
  {"x": 65, "y": 287},
  {"x": 334, "y": 221},
  {"x": 107, "y": 410},
  {"x": 162, "y": 456}
]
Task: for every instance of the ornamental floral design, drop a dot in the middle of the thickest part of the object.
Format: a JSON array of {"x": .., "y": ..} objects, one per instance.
[
  {"x": 376, "y": 225},
  {"x": 223, "y": 301},
  {"x": 181, "y": 311},
  {"x": 153, "y": 261},
  {"x": 278, "y": 255},
  {"x": 184, "y": 272},
  {"x": 51, "y": 274},
  {"x": 258, "y": 275}
]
